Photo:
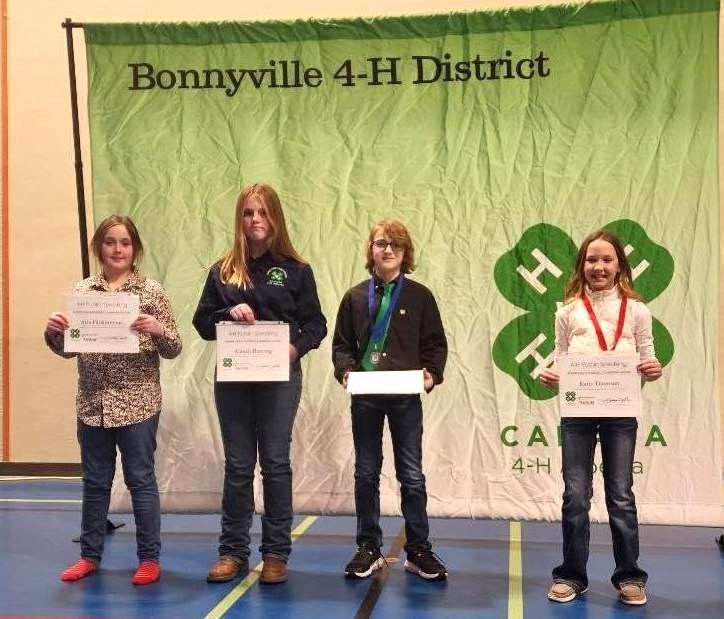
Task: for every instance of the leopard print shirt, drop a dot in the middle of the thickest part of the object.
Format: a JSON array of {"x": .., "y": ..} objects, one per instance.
[{"x": 117, "y": 390}]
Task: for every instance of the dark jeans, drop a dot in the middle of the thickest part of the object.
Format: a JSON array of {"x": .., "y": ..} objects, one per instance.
[
  {"x": 618, "y": 442},
  {"x": 257, "y": 416},
  {"x": 404, "y": 416},
  {"x": 137, "y": 444}
]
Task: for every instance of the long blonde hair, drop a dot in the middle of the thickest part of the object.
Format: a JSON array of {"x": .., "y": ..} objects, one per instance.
[
  {"x": 624, "y": 280},
  {"x": 234, "y": 264}
]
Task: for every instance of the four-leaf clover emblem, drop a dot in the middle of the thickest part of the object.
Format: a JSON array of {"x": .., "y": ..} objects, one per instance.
[{"x": 532, "y": 276}]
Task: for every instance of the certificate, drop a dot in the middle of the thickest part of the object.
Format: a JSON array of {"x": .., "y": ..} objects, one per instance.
[
  {"x": 256, "y": 352},
  {"x": 101, "y": 322},
  {"x": 599, "y": 385},
  {"x": 385, "y": 383}
]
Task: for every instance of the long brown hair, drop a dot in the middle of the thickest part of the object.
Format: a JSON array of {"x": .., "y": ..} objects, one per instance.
[
  {"x": 396, "y": 231},
  {"x": 623, "y": 279},
  {"x": 234, "y": 264},
  {"x": 96, "y": 243}
]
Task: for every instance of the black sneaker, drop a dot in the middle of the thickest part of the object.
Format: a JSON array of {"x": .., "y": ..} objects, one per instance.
[
  {"x": 426, "y": 564},
  {"x": 366, "y": 560}
]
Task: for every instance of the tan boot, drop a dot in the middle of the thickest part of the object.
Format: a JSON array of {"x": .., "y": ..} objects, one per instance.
[
  {"x": 273, "y": 572},
  {"x": 562, "y": 591},
  {"x": 225, "y": 569},
  {"x": 632, "y": 593}
]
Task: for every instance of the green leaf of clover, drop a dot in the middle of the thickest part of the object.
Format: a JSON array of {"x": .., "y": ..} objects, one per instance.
[
  {"x": 534, "y": 273},
  {"x": 663, "y": 342},
  {"x": 524, "y": 348},
  {"x": 652, "y": 266}
]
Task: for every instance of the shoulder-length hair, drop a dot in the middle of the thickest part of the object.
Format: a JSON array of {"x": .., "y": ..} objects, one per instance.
[
  {"x": 623, "y": 279},
  {"x": 234, "y": 263},
  {"x": 96, "y": 243},
  {"x": 396, "y": 231}
]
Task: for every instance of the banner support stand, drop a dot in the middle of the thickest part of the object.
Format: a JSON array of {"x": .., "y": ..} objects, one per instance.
[{"x": 68, "y": 24}]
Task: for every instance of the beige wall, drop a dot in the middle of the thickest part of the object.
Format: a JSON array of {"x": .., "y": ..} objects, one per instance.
[
  {"x": 3, "y": 162},
  {"x": 44, "y": 255}
]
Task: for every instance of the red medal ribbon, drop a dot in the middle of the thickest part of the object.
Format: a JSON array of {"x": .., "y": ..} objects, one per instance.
[{"x": 597, "y": 326}]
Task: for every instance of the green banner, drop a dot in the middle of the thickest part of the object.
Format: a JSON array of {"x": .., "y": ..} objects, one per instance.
[{"x": 501, "y": 139}]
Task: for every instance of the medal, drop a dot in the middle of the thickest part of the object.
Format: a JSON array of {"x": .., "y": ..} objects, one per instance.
[
  {"x": 597, "y": 327},
  {"x": 380, "y": 324}
]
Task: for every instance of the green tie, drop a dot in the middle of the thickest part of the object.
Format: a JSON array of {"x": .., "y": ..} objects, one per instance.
[{"x": 371, "y": 358}]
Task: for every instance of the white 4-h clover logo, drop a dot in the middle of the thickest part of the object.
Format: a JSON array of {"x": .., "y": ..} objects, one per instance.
[
  {"x": 276, "y": 276},
  {"x": 533, "y": 275},
  {"x": 226, "y": 362},
  {"x": 75, "y": 334}
]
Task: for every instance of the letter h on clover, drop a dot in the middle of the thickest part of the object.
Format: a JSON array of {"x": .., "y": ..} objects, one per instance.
[{"x": 532, "y": 276}]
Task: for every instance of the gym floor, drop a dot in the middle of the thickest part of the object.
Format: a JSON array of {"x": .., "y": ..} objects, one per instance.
[{"x": 497, "y": 569}]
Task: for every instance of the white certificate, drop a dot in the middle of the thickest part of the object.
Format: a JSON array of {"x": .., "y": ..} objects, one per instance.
[
  {"x": 386, "y": 383},
  {"x": 599, "y": 385},
  {"x": 252, "y": 353},
  {"x": 101, "y": 322}
]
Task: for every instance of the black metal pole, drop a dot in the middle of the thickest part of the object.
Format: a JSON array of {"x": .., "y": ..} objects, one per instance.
[{"x": 79, "y": 188}]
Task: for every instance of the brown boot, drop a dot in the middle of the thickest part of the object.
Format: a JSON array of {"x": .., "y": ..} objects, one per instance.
[
  {"x": 273, "y": 572},
  {"x": 226, "y": 569}
]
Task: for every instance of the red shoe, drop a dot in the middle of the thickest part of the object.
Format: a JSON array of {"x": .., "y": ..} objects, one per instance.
[
  {"x": 79, "y": 569},
  {"x": 147, "y": 572}
]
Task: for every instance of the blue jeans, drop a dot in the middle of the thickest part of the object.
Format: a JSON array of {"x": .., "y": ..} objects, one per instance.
[
  {"x": 618, "y": 442},
  {"x": 257, "y": 416},
  {"x": 137, "y": 444},
  {"x": 404, "y": 416}
]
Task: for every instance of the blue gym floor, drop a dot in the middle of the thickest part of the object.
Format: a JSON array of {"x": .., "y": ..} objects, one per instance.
[{"x": 497, "y": 569}]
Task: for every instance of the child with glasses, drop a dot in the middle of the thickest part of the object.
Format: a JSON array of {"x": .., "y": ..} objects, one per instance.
[{"x": 390, "y": 322}]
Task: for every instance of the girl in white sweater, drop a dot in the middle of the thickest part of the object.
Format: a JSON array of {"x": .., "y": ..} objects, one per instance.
[{"x": 601, "y": 312}]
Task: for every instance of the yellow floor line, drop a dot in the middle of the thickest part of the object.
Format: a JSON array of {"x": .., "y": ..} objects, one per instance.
[
  {"x": 515, "y": 573},
  {"x": 302, "y": 527},
  {"x": 70, "y": 501},
  {"x": 220, "y": 609}
]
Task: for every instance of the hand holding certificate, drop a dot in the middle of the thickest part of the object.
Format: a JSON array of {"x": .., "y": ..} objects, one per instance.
[
  {"x": 599, "y": 385},
  {"x": 256, "y": 352},
  {"x": 101, "y": 323}
]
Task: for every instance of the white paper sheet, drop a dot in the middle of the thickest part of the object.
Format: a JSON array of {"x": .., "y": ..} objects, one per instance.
[{"x": 391, "y": 383}]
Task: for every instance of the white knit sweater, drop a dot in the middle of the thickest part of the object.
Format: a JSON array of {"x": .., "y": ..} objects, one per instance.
[{"x": 575, "y": 331}]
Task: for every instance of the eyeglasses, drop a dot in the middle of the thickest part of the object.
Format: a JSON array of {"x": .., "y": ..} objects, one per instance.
[{"x": 394, "y": 245}]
